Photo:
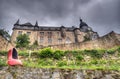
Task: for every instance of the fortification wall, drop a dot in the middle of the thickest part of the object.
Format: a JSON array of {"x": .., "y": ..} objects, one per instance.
[
  {"x": 4, "y": 44},
  {"x": 108, "y": 41},
  {"x": 39, "y": 73}
]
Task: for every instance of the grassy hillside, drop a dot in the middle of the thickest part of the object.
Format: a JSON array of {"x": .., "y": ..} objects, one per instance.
[{"x": 76, "y": 59}]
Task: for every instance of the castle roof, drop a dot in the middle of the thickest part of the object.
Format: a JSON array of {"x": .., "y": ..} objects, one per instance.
[{"x": 29, "y": 26}]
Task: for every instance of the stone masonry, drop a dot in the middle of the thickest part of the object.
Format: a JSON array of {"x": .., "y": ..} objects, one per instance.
[{"x": 39, "y": 73}]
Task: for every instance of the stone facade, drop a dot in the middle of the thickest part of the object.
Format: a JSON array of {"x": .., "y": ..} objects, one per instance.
[
  {"x": 47, "y": 35},
  {"x": 105, "y": 42},
  {"x": 39, "y": 73},
  {"x": 4, "y": 43}
]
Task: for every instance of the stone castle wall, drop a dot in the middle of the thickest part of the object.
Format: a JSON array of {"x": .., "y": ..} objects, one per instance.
[
  {"x": 4, "y": 44},
  {"x": 56, "y": 35},
  {"x": 108, "y": 41},
  {"x": 39, "y": 73}
]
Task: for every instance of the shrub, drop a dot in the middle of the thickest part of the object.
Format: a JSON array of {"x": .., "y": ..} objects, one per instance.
[
  {"x": 58, "y": 54},
  {"x": 111, "y": 51},
  {"x": 68, "y": 54},
  {"x": 94, "y": 53},
  {"x": 4, "y": 53},
  {"x": 22, "y": 41},
  {"x": 75, "y": 52},
  {"x": 118, "y": 49},
  {"x": 79, "y": 57},
  {"x": 36, "y": 54},
  {"x": 2, "y": 63},
  {"x": 94, "y": 62},
  {"x": 46, "y": 53}
]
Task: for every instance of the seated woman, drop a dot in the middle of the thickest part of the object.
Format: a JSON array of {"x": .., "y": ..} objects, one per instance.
[{"x": 13, "y": 58}]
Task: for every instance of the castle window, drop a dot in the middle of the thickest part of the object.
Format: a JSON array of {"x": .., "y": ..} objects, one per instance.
[
  {"x": 49, "y": 40},
  {"x": 58, "y": 34},
  {"x": 50, "y": 34},
  {"x": 59, "y": 40},
  {"x": 41, "y": 33},
  {"x": 28, "y": 33},
  {"x": 19, "y": 32},
  {"x": 41, "y": 39}
]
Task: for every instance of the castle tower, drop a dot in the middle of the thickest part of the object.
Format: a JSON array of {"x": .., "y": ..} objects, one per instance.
[
  {"x": 63, "y": 31},
  {"x": 17, "y": 23},
  {"x": 83, "y": 26},
  {"x": 36, "y": 24}
]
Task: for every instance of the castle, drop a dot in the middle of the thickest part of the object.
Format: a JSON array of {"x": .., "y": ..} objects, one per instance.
[{"x": 51, "y": 35}]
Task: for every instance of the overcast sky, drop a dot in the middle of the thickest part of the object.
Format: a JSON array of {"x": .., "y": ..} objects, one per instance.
[{"x": 102, "y": 15}]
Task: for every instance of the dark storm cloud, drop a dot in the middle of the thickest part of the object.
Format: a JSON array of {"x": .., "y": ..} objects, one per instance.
[{"x": 101, "y": 15}]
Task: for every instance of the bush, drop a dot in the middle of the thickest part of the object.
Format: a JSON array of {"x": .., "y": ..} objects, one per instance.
[
  {"x": 111, "y": 51},
  {"x": 58, "y": 54},
  {"x": 4, "y": 53},
  {"x": 118, "y": 49},
  {"x": 46, "y": 53},
  {"x": 93, "y": 62},
  {"x": 2, "y": 63},
  {"x": 75, "y": 52},
  {"x": 94, "y": 53},
  {"x": 79, "y": 57},
  {"x": 36, "y": 54},
  {"x": 22, "y": 41}
]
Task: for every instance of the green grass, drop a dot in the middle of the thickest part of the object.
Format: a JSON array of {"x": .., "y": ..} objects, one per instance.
[
  {"x": 92, "y": 64},
  {"x": 76, "y": 59}
]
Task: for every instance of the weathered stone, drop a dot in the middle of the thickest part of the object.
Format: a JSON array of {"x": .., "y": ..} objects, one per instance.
[{"x": 36, "y": 73}]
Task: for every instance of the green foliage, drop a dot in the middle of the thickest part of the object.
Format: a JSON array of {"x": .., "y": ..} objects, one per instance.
[
  {"x": 79, "y": 57},
  {"x": 86, "y": 38},
  {"x": 45, "y": 62},
  {"x": 58, "y": 54},
  {"x": 5, "y": 34},
  {"x": 2, "y": 62},
  {"x": 3, "y": 53},
  {"x": 94, "y": 53},
  {"x": 23, "y": 53},
  {"x": 95, "y": 62},
  {"x": 35, "y": 54},
  {"x": 118, "y": 49},
  {"x": 110, "y": 51},
  {"x": 35, "y": 45},
  {"x": 46, "y": 53},
  {"x": 22, "y": 41},
  {"x": 61, "y": 63}
]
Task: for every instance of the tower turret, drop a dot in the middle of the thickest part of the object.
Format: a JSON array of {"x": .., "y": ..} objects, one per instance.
[
  {"x": 36, "y": 24},
  {"x": 17, "y": 23},
  {"x": 83, "y": 26}
]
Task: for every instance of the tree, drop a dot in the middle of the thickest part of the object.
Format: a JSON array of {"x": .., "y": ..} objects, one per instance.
[
  {"x": 22, "y": 41},
  {"x": 5, "y": 34}
]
